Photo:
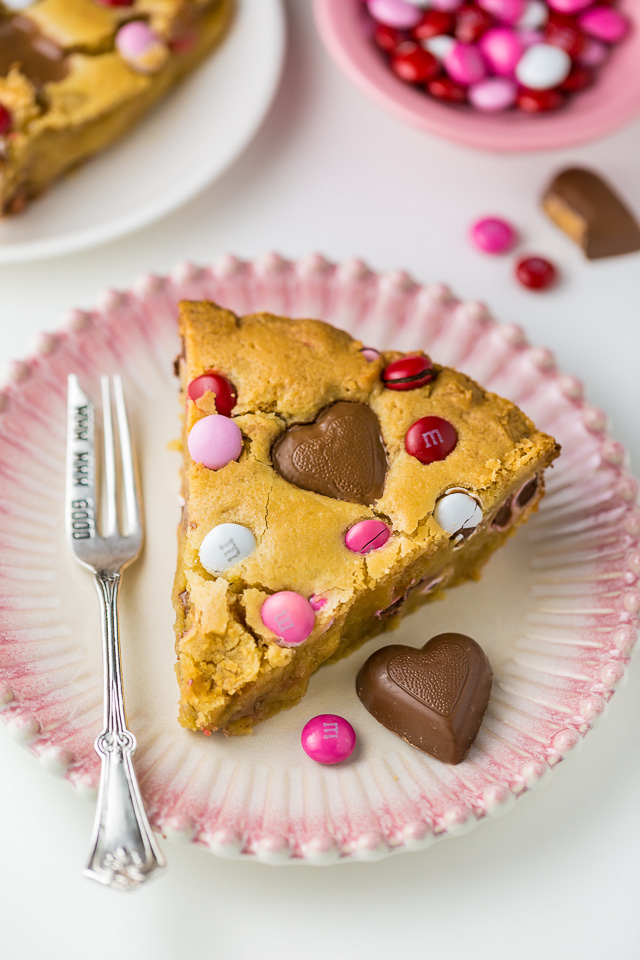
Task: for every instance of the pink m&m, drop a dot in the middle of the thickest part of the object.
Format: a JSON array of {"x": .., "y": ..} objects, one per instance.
[
  {"x": 569, "y": 6},
  {"x": 493, "y": 94},
  {"x": 395, "y": 13},
  {"x": 464, "y": 63},
  {"x": 290, "y": 616},
  {"x": 367, "y": 535},
  {"x": 214, "y": 441},
  {"x": 492, "y": 234},
  {"x": 143, "y": 49},
  {"x": 502, "y": 48},
  {"x": 509, "y": 11},
  {"x": 605, "y": 24},
  {"x": 328, "y": 738}
]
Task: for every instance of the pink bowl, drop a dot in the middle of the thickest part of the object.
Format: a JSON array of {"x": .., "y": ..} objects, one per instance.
[{"x": 611, "y": 102}]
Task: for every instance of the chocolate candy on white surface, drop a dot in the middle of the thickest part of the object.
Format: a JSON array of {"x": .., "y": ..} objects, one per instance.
[
  {"x": 433, "y": 698},
  {"x": 591, "y": 213}
]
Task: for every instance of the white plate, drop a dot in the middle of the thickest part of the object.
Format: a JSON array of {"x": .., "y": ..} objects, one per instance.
[
  {"x": 186, "y": 142},
  {"x": 556, "y": 609}
]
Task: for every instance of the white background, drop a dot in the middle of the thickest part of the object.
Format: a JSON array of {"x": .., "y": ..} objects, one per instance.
[{"x": 558, "y": 877}]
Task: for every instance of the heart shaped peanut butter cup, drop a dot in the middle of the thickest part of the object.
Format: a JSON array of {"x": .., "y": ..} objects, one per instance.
[
  {"x": 340, "y": 455},
  {"x": 434, "y": 698}
]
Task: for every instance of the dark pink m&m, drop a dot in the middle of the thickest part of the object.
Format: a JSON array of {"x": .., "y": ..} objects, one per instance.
[
  {"x": 430, "y": 439},
  {"x": 225, "y": 392},
  {"x": 408, "y": 373}
]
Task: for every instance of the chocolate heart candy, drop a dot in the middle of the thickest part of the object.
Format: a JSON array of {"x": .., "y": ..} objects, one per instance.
[
  {"x": 434, "y": 698},
  {"x": 341, "y": 455}
]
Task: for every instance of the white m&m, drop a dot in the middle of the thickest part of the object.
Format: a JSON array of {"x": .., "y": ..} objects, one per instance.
[
  {"x": 543, "y": 67},
  {"x": 225, "y": 546},
  {"x": 457, "y": 512}
]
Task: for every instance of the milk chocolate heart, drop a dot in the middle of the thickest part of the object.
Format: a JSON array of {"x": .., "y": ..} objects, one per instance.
[
  {"x": 434, "y": 698},
  {"x": 341, "y": 455}
]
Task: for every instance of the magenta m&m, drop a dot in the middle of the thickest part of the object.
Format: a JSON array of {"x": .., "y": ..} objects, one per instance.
[
  {"x": 492, "y": 235},
  {"x": 214, "y": 441},
  {"x": 367, "y": 535},
  {"x": 604, "y": 24},
  {"x": 328, "y": 738},
  {"x": 290, "y": 616},
  {"x": 502, "y": 48},
  {"x": 430, "y": 439},
  {"x": 464, "y": 64},
  {"x": 225, "y": 392}
]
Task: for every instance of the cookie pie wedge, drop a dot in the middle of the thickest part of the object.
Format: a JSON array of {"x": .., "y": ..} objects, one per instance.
[
  {"x": 329, "y": 490},
  {"x": 77, "y": 74}
]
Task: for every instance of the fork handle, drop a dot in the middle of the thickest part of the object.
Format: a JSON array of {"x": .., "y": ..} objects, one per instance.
[{"x": 125, "y": 852}]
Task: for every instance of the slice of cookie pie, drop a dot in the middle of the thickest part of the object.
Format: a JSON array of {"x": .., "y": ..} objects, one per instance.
[
  {"x": 328, "y": 490},
  {"x": 77, "y": 74}
]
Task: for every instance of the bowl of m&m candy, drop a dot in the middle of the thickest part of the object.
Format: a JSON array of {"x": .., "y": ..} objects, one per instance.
[{"x": 495, "y": 74}]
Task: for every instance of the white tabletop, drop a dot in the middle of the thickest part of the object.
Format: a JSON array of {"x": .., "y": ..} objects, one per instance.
[{"x": 558, "y": 876}]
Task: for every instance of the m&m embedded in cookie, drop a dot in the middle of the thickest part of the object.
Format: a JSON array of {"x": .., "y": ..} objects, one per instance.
[
  {"x": 430, "y": 439},
  {"x": 225, "y": 393},
  {"x": 408, "y": 373}
]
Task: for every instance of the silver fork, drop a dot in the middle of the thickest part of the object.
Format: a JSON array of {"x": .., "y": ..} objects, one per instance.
[{"x": 125, "y": 852}]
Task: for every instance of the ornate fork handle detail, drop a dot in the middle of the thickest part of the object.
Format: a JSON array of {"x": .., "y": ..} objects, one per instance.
[{"x": 125, "y": 852}]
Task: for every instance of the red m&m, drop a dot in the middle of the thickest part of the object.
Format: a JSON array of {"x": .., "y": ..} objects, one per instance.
[
  {"x": 413, "y": 63},
  {"x": 6, "y": 120},
  {"x": 408, "y": 373},
  {"x": 225, "y": 392},
  {"x": 535, "y": 273},
  {"x": 430, "y": 439}
]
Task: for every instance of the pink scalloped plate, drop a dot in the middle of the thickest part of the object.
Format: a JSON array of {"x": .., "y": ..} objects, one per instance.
[
  {"x": 556, "y": 610},
  {"x": 610, "y": 103}
]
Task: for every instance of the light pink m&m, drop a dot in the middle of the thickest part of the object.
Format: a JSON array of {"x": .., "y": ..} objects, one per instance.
[
  {"x": 509, "y": 11},
  {"x": 143, "y": 49},
  {"x": 367, "y": 535},
  {"x": 493, "y": 94},
  {"x": 492, "y": 234},
  {"x": 328, "y": 738},
  {"x": 395, "y": 13},
  {"x": 214, "y": 441},
  {"x": 290, "y": 616}
]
